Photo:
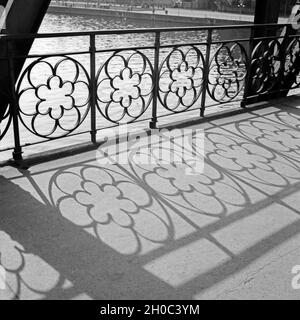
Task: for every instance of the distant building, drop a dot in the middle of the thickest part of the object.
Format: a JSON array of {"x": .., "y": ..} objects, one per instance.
[
  {"x": 164, "y": 3},
  {"x": 148, "y": 3},
  {"x": 201, "y": 4}
]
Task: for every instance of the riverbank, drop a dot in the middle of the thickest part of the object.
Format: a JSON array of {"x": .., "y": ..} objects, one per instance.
[{"x": 171, "y": 15}]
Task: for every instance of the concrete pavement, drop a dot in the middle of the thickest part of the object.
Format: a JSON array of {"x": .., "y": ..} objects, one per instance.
[{"x": 75, "y": 228}]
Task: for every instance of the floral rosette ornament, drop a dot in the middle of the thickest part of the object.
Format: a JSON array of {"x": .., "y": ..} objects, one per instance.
[
  {"x": 227, "y": 72},
  {"x": 124, "y": 86},
  {"x": 181, "y": 78},
  {"x": 53, "y": 96}
]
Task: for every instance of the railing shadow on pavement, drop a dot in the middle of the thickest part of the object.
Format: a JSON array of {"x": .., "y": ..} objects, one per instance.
[{"x": 152, "y": 231}]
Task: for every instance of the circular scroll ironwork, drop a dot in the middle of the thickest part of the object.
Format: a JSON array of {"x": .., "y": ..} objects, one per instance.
[
  {"x": 181, "y": 78},
  {"x": 291, "y": 55},
  {"x": 125, "y": 86},
  {"x": 54, "y": 96},
  {"x": 265, "y": 66},
  {"x": 227, "y": 72}
]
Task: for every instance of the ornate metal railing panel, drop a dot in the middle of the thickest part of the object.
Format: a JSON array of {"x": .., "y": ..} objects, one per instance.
[
  {"x": 266, "y": 65},
  {"x": 54, "y": 96},
  {"x": 125, "y": 93},
  {"x": 62, "y": 94},
  {"x": 181, "y": 78},
  {"x": 290, "y": 64},
  {"x": 227, "y": 72}
]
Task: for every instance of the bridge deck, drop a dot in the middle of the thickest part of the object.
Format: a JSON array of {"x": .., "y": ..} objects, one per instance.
[{"x": 71, "y": 228}]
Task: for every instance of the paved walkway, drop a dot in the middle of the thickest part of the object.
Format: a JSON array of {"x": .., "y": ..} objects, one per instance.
[
  {"x": 205, "y": 14},
  {"x": 77, "y": 229}
]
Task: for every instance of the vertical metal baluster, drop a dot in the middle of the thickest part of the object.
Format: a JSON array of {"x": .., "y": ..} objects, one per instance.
[
  {"x": 248, "y": 69},
  {"x": 93, "y": 89},
  {"x": 153, "y": 123},
  {"x": 206, "y": 72},
  {"x": 14, "y": 106}
]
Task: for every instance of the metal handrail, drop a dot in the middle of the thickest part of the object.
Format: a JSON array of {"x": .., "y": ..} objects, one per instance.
[
  {"x": 243, "y": 70},
  {"x": 137, "y": 30}
]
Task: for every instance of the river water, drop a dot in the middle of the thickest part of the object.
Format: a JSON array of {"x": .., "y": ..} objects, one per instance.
[{"x": 68, "y": 23}]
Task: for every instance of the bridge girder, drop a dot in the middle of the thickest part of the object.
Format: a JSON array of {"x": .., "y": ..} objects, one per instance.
[{"x": 23, "y": 16}]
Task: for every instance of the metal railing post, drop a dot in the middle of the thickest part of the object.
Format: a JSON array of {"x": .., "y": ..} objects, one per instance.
[
  {"x": 17, "y": 153},
  {"x": 206, "y": 72},
  {"x": 93, "y": 89},
  {"x": 153, "y": 123}
]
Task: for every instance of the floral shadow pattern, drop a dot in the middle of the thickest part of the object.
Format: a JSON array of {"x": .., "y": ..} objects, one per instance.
[
  {"x": 138, "y": 201},
  {"x": 146, "y": 212}
]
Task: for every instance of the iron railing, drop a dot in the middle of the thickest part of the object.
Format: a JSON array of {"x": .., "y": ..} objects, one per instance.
[{"x": 98, "y": 86}]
